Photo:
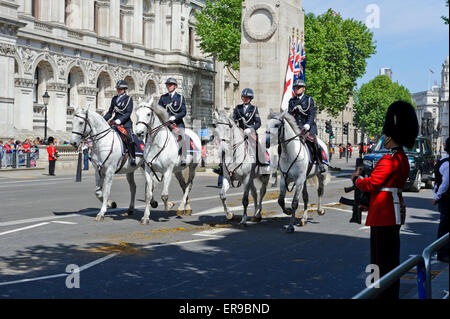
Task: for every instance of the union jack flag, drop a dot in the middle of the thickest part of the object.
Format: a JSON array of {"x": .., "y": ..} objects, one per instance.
[{"x": 303, "y": 63}]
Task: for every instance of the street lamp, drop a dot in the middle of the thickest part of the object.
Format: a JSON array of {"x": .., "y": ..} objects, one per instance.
[{"x": 45, "y": 98}]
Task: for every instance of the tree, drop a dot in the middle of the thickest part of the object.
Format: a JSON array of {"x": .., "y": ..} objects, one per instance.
[
  {"x": 372, "y": 101},
  {"x": 219, "y": 30},
  {"x": 444, "y": 17},
  {"x": 336, "y": 54}
]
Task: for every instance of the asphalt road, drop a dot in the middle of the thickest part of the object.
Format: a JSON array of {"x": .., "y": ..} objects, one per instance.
[{"x": 47, "y": 224}]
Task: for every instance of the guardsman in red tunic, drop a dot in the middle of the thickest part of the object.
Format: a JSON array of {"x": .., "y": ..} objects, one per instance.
[
  {"x": 51, "y": 150},
  {"x": 386, "y": 208}
]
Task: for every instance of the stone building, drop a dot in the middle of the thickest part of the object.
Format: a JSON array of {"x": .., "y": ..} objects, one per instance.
[{"x": 77, "y": 50}]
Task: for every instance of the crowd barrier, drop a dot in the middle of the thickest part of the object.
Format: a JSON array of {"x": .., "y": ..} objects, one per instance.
[
  {"x": 423, "y": 264},
  {"x": 19, "y": 158}
]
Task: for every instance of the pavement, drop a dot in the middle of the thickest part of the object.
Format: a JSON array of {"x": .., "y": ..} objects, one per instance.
[{"x": 340, "y": 168}]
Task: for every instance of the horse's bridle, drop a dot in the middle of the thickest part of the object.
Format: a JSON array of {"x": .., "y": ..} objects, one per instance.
[
  {"x": 234, "y": 147},
  {"x": 84, "y": 135}
]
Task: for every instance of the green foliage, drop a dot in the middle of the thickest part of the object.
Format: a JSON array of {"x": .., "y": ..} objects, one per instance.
[
  {"x": 336, "y": 54},
  {"x": 373, "y": 99},
  {"x": 219, "y": 30},
  {"x": 444, "y": 17}
]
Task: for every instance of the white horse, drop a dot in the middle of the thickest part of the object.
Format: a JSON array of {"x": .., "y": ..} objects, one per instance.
[
  {"x": 107, "y": 157},
  {"x": 294, "y": 165},
  {"x": 161, "y": 156},
  {"x": 239, "y": 165}
]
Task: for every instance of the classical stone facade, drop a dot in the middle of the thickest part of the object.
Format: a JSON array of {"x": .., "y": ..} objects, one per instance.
[{"x": 77, "y": 50}]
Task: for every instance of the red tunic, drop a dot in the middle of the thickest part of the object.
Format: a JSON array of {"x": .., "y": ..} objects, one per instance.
[
  {"x": 51, "y": 150},
  {"x": 26, "y": 147},
  {"x": 391, "y": 171}
]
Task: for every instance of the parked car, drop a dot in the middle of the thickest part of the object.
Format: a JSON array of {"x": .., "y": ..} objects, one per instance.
[{"x": 421, "y": 161}]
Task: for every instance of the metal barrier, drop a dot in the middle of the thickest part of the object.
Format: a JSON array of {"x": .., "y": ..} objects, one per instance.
[
  {"x": 427, "y": 253},
  {"x": 423, "y": 264}
]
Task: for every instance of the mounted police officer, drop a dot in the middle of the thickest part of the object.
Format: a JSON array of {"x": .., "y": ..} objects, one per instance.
[
  {"x": 175, "y": 106},
  {"x": 246, "y": 116},
  {"x": 122, "y": 107},
  {"x": 302, "y": 108}
]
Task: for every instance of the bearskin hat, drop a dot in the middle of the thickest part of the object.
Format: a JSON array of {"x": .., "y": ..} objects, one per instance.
[
  {"x": 50, "y": 140},
  {"x": 401, "y": 123}
]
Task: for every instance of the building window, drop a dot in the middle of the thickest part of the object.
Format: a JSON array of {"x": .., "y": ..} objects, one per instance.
[
  {"x": 35, "y": 8},
  {"x": 191, "y": 41},
  {"x": 96, "y": 17},
  {"x": 36, "y": 84},
  {"x": 121, "y": 25}
]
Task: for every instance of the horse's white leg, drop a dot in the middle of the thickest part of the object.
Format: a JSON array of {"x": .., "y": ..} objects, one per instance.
[
  {"x": 320, "y": 189},
  {"x": 262, "y": 192},
  {"x": 181, "y": 208},
  {"x": 165, "y": 192},
  {"x": 282, "y": 196},
  {"x": 107, "y": 182},
  {"x": 148, "y": 195},
  {"x": 247, "y": 185},
  {"x": 99, "y": 191},
  {"x": 223, "y": 197},
  {"x": 304, "y": 218},
  {"x": 190, "y": 183},
  {"x": 131, "y": 182},
  {"x": 294, "y": 206}
]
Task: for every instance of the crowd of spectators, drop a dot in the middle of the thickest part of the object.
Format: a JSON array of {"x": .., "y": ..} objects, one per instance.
[{"x": 12, "y": 149}]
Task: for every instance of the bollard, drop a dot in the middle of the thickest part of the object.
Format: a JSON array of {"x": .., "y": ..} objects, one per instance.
[
  {"x": 421, "y": 279},
  {"x": 14, "y": 159},
  {"x": 78, "y": 175},
  {"x": 28, "y": 160}
]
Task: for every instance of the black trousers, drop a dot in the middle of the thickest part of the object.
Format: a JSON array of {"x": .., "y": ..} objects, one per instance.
[
  {"x": 131, "y": 147},
  {"x": 443, "y": 228},
  {"x": 385, "y": 252},
  {"x": 51, "y": 167}
]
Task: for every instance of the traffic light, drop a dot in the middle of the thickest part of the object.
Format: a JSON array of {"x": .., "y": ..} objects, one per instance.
[
  {"x": 328, "y": 126},
  {"x": 345, "y": 128}
]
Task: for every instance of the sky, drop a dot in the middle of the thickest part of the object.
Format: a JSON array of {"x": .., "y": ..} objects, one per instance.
[{"x": 411, "y": 37}]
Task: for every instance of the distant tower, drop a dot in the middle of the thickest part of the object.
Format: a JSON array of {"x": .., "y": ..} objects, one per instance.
[{"x": 386, "y": 71}]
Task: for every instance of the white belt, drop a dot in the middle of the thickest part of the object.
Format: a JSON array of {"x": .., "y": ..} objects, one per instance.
[{"x": 394, "y": 192}]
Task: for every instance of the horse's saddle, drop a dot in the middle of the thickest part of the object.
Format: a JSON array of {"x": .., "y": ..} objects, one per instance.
[{"x": 138, "y": 144}]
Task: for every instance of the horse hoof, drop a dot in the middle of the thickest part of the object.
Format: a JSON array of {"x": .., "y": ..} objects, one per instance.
[
  {"x": 180, "y": 212},
  {"x": 256, "y": 219},
  {"x": 113, "y": 205},
  {"x": 288, "y": 211},
  {"x": 170, "y": 205},
  {"x": 321, "y": 212},
  {"x": 128, "y": 213},
  {"x": 99, "y": 218},
  {"x": 290, "y": 229},
  {"x": 302, "y": 223},
  {"x": 188, "y": 212},
  {"x": 230, "y": 217},
  {"x": 145, "y": 221},
  {"x": 154, "y": 204}
]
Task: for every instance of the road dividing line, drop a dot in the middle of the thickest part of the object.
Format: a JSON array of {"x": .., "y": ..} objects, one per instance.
[
  {"x": 65, "y": 223},
  {"x": 23, "y": 228},
  {"x": 177, "y": 243}
]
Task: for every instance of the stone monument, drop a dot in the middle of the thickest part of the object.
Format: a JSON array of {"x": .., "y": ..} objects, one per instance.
[{"x": 268, "y": 27}]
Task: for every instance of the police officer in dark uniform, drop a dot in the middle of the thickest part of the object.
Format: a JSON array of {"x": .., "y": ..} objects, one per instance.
[
  {"x": 302, "y": 108},
  {"x": 122, "y": 107},
  {"x": 175, "y": 106},
  {"x": 246, "y": 116}
]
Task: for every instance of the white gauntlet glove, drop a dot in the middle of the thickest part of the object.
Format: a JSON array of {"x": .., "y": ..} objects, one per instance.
[
  {"x": 117, "y": 122},
  {"x": 172, "y": 118},
  {"x": 247, "y": 131},
  {"x": 306, "y": 127}
]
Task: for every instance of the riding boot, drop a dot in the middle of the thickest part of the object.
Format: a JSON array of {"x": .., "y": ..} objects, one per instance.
[
  {"x": 131, "y": 149},
  {"x": 319, "y": 157}
]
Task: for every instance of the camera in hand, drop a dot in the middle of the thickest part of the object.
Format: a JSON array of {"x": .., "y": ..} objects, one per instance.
[{"x": 360, "y": 198}]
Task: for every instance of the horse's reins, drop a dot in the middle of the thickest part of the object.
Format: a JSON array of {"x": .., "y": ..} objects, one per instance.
[{"x": 234, "y": 147}]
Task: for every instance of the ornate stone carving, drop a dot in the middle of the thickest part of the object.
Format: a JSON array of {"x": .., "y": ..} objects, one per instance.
[
  {"x": 24, "y": 83},
  {"x": 260, "y": 12},
  {"x": 27, "y": 56},
  {"x": 86, "y": 90},
  {"x": 62, "y": 62},
  {"x": 57, "y": 87},
  {"x": 7, "y": 49}
]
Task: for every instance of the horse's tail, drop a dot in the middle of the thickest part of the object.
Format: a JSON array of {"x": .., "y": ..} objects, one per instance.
[{"x": 314, "y": 181}]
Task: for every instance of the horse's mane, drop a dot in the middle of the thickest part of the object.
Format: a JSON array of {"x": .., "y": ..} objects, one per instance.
[
  {"x": 286, "y": 116},
  {"x": 160, "y": 112}
]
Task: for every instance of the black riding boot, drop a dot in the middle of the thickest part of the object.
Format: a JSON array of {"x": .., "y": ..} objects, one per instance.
[{"x": 131, "y": 149}]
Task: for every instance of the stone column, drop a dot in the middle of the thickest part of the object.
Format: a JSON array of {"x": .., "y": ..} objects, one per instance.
[
  {"x": 88, "y": 15},
  {"x": 57, "y": 106},
  {"x": 9, "y": 24},
  {"x": 137, "y": 22},
  {"x": 175, "y": 26},
  {"x": 127, "y": 25},
  {"x": 23, "y": 104},
  {"x": 114, "y": 19},
  {"x": 149, "y": 22},
  {"x": 58, "y": 11},
  {"x": 267, "y": 28},
  {"x": 87, "y": 97},
  {"x": 103, "y": 18}
]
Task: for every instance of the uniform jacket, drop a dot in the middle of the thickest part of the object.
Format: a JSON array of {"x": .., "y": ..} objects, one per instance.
[
  {"x": 441, "y": 187},
  {"x": 122, "y": 107},
  {"x": 304, "y": 112},
  {"x": 248, "y": 119},
  {"x": 392, "y": 170},
  {"x": 175, "y": 106},
  {"x": 51, "y": 150}
]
